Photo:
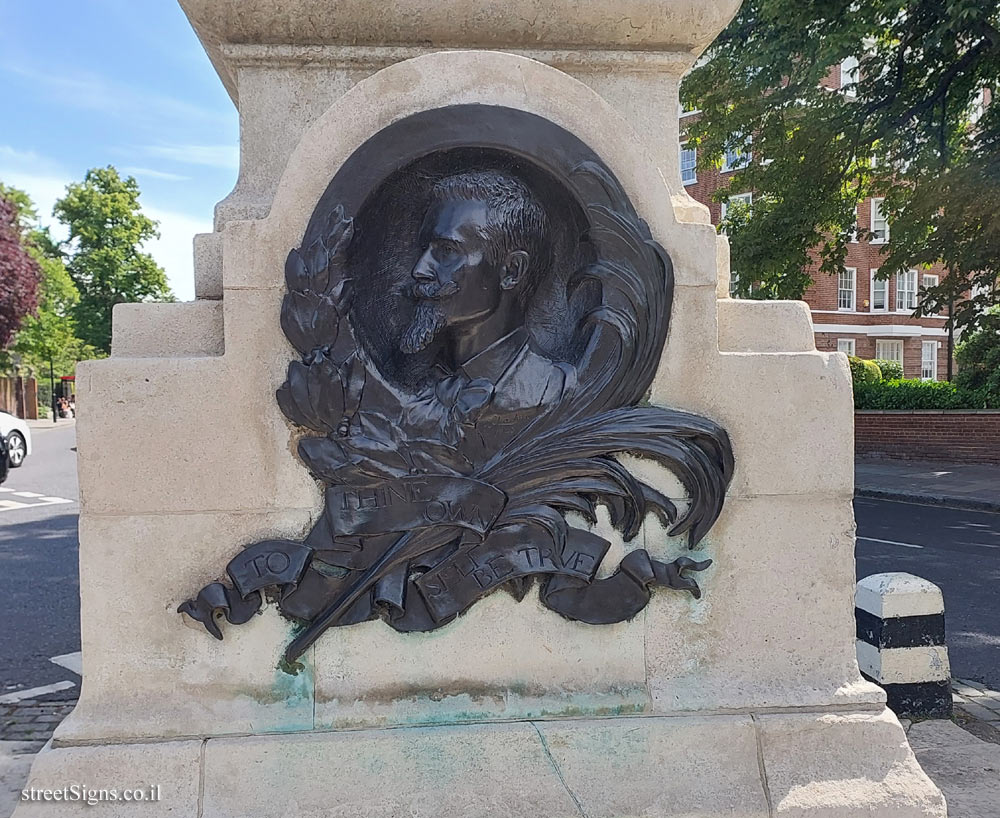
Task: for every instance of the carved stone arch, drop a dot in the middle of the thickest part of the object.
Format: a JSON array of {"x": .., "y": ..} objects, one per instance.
[{"x": 469, "y": 78}]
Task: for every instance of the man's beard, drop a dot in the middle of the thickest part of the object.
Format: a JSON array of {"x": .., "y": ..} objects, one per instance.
[{"x": 428, "y": 320}]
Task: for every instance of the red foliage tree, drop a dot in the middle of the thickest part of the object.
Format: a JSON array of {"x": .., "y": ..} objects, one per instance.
[{"x": 19, "y": 274}]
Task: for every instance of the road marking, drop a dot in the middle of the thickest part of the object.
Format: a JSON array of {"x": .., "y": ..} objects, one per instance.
[
  {"x": 70, "y": 661},
  {"x": 35, "y": 692},
  {"x": 890, "y": 542},
  {"x": 40, "y": 500}
]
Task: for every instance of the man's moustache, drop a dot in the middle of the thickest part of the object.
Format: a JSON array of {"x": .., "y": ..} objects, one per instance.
[{"x": 433, "y": 291}]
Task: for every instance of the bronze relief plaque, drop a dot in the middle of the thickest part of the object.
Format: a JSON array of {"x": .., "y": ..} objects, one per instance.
[{"x": 480, "y": 313}]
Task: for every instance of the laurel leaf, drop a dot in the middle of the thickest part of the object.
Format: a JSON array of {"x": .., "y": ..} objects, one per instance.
[
  {"x": 339, "y": 235},
  {"x": 325, "y": 322},
  {"x": 297, "y": 311},
  {"x": 296, "y": 275},
  {"x": 326, "y": 392},
  {"x": 323, "y": 456},
  {"x": 298, "y": 387},
  {"x": 317, "y": 263}
]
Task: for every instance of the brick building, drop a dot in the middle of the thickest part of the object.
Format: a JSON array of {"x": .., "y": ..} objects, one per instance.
[{"x": 852, "y": 312}]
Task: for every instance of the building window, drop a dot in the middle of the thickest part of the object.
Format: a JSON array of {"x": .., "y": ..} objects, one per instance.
[
  {"x": 928, "y": 360},
  {"x": 846, "y": 289},
  {"x": 849, "y": 76},
  {"x": 740, "y": 200},
  {"x": 736, "y": 157},
  {"x": 929, "y": 281},
  {"x": 889, "y": 351},
  {"x": 854, "y": 228},
  {"x": 846, "y": 345},
  {"x": 689, "y": 163},
  {"x": 880, "y": 225},
  {"x": 906, "y": 291},
  {"x": 880, "y": 293}
]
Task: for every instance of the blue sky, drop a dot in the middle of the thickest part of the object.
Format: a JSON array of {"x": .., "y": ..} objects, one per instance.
[{"x": 88, "y": 83}]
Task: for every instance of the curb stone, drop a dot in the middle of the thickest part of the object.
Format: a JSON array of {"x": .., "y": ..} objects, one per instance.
[{"x": 961, "y": 503}]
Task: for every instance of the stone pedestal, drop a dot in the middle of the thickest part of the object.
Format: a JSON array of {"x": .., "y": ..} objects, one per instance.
[{"x": 746, "y": 702}]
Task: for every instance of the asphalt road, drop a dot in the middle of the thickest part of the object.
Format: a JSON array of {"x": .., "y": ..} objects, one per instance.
[
  {"x": 959, "y": 551},
  {"x": 39, "y": 586},
  {"x": 39, "y": 582}
]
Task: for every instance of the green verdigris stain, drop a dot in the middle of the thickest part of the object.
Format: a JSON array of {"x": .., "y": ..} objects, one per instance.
[{"x": 291, "y": 668}]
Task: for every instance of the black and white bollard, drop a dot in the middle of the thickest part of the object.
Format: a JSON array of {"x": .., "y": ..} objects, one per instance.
[{"x": 901, "y": 643}]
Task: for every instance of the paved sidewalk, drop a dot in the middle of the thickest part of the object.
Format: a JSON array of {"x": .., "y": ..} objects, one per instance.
[
  {"x": 973, "y": 486},
  {"x": 42, "y": 424}
]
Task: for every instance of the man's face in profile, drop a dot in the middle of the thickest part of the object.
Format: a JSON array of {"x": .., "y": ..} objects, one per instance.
[{"x": 456, "y": 280}]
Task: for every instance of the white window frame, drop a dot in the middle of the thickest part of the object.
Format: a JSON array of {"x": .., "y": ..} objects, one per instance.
[
  {"x": 876, "y": 204},
  {"x": 854, "y": 230},
  {"x": 929, "y": 365},
  {"x": 745, "y": 198},
  {"x": 694, "y": 166},
  {"x": 850, "y": 292},
  {"x": 847, "y": 345},
  {"x": 884, "y": 283},
  {"x": 884, "y": 344},
  {"x": 849, "y": 76},
  {"x": 906, "y": 296},
  {"x": 928, "y": 280},
  {"x": 741, "y": 159}
]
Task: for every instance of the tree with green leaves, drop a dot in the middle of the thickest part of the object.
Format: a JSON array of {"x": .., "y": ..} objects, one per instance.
[
  {"x": 107, "y": 229},
  {"x": 910, "y": 125}
]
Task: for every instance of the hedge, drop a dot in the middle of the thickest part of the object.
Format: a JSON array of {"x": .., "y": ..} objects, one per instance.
[{"x": 903, "y": 394}]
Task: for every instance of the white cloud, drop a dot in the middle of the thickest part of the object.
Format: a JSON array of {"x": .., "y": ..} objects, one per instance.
[
  {"x": 89, "y": 91},
  {"x": 155, "y": 174},
  {"x": 45, "y": 183},
  {"x": 216, "y": 156}
]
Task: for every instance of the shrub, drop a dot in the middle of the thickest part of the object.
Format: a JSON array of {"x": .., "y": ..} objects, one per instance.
[
  {"x": 864, "y": 372},
  {"x": 891, "y": 370},
  {"x": 905, "y": 394}
]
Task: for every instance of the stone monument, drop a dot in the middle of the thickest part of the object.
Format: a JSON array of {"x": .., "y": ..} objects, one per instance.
[{"x": 493, "y": 500}]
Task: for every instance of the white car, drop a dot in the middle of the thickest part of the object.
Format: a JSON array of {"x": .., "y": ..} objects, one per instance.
[{"x": 15, "y": 431}]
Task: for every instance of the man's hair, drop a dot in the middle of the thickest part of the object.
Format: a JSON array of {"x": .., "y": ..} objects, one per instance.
[{"x": 516, "y": 221}]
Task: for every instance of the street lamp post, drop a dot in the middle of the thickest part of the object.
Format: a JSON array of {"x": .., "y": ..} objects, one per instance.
[{"x": 52, "y": 387}]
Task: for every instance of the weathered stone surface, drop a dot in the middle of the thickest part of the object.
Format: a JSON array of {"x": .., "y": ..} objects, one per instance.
[
  {"x": 653, "y": 25},
  {"x": 208, "y": 265},
  {"x": 659, "y": 767},
  {"x": 167, "y": 330},
  {"x": 836, "y": 766},
  {"x": 765, "y": 326},
  {"x": 649, "y": 767},
  {"x": 755, "y": 640},
  {"x": 502, "y": 659},
  {"x": 174, "y": 766},
  {"x": 452, "y": 772},
  {"x": 147, "y": 673}
]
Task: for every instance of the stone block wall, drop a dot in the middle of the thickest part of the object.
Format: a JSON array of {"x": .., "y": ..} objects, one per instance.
[{"x": 969, "y": 437}]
